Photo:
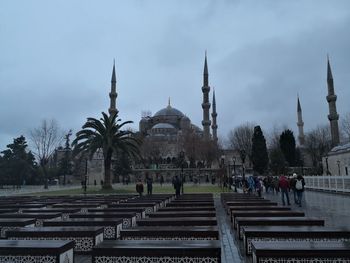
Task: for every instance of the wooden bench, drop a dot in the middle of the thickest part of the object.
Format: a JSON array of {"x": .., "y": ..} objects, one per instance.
[
  {"x": 165, "y": 251},
  {"x": 83, "y": 207},
  {"x": 140, "y": 212},
  {"x": 259, "y": 213},
  {"x": 190, "y": 204},
  {"x": 149, "y": 207},
  {"x": 182, "y": 208},
  {"x": 275, "y": 221},
  {"x": 129, "y": 218},
  {"x": 14, "y": 223},
  {"x": 183, "y": 214},
  {"x": 287, "y": 233},
  {"x": 64, "y": 211},
  {"x": 39, "y": 217},
  {"x": 301, "y": 251},
  {"x": 24, "y": 251},
  {"x": 171, "y": 233},
  {"x": 234, "y": 209},
  {"x": 8, "y": 210},
  {"x": 84, "y": 237},
  {"x": 178, "y": 221},
  {"x": 111, "y": 226}
]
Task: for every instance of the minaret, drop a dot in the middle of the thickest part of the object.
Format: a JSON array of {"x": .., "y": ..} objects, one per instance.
[
  {"x": 333, "y": 116},
  {"x": 214, "y": 126},
  {"x": 113, "y": 94},
  {"x": 206, "y": 104},
  {"x": 300, "y": 124}
]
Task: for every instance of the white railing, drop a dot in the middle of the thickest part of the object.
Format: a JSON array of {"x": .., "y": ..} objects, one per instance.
[
  {"x": 28, "y": 189},
  {"x": 328, "y": 183}
]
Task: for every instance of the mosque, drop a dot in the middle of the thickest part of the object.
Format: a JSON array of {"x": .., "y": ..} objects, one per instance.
[{"x": 166, "y": 129}]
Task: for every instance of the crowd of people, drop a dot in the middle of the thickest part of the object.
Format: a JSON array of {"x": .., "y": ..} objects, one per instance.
[
  {"x": 282, "y": 184},
  {"x": 250, "y": 185}
]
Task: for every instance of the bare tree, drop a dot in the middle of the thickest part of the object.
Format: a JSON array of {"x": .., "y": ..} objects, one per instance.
[
  {"x": 240, "y": 138},
  {"x": 345, "y": 126},
  {"x": 317, "y": 143},
  {"x": 45, "y": 139}
]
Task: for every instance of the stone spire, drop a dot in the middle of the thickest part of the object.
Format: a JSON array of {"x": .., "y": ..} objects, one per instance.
[
  {"x": 333, "y": 116},
  {"x": 206, "y": 104},
  {"x": 214, "y": 126},
  {"x": 113, "y": 94},
  {"x": 300, "y": 124}
]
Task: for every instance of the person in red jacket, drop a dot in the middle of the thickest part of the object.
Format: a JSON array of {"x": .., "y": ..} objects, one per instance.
[{"x": 284, "y": 186}]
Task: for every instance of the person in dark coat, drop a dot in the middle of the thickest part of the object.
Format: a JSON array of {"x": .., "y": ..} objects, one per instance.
[
  {"x": 149, "y": 182},
  {"x": 177, "y": 185},
  {"x": 139, "y": 187}
]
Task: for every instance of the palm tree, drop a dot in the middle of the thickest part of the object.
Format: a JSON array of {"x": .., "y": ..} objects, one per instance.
[{"x": 105, "y": 134}]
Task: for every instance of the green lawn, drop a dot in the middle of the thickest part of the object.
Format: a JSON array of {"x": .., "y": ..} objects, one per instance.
[{"x": 130, "y": 189}]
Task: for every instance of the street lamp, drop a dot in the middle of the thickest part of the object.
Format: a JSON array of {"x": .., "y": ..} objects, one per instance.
[
  {"x": 338, "y": 162},
  {"x": 86, "y": 175},
  {"x": 223, "y": 170},
  {"x": 243, "y": 155},
  {"x": 182, "y": 157},
  {"x": 234, "y": 171},
  {"x": 327, "y": 170}
]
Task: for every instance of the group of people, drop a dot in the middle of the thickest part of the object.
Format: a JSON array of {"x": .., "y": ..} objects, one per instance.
[
  {"x": 296, "y": 183},
  {"x": 283, "y": 184},
  {"x": 149, "y": 183},
  {"x": 140, "y": 188}
]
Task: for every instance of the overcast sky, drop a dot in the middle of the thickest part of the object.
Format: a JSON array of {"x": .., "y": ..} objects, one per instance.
[{"x": 56, "y": 60}]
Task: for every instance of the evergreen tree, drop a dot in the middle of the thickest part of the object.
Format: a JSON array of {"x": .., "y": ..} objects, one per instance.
[
  {"x": 65, "y": 164},
  {"x": 260, "y": 157},
  {"x": 17, "y": 163},
  {"x": 277, "y": 161},
  {"x": 287, "y": 144}
]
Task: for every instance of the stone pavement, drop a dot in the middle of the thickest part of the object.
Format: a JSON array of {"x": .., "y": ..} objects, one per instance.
[
  {"x": 229, "y": 250},
  {"x": 334, "y": 208}
]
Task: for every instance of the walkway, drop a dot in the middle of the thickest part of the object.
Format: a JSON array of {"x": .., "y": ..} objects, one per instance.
[
  {"x": 334, "y": 208},
  {"x": 229, "y": 250}
]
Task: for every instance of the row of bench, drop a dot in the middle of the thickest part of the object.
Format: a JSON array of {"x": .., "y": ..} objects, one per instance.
[
  {"x": 271, "y": 233},
  {"x": 59, "y": 227},
  {"x": 158, "y": 228},
  {"x": 183, "y": 231}
]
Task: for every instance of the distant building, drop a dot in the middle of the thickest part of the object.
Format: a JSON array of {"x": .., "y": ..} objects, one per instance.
[
  {"x": 337, "y": 161},
  {"x": 165, "y": 130}
]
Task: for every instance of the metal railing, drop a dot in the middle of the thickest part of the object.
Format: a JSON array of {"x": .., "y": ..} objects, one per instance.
[{"x": 328, "y": 183}]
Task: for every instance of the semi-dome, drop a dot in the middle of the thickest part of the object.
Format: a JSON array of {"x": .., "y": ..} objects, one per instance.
[
  {"x": 163, "y": 126},
  {"x": 169, "y": 111}
]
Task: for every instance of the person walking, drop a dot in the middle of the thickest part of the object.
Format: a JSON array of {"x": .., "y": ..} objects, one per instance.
[
  {"x": 299, "y": 188},
  {"x": 293, "y": 180},
  {"x": 251, "y": 184},
  {"x": 284, "y": 187},
  {"x": 139, "y": 187},
  {"x": 258, "y": 186},
  {"x": 161, "y": 180},
  {"x": 177, "y": 185},
  {"x": 149, "y": 182}
]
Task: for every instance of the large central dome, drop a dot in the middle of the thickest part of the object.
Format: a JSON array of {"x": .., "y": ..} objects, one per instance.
[{"x": 169, "y": 111}]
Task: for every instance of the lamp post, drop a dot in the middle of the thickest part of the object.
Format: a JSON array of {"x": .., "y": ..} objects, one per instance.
[
  {"x": 222, "y": 170},
  {"x": 234, "y": 172},
  {"x": 327, "y": 170},
  {"x": 182, "y": 157},
  {"x": 243, "y": 155},
  {"x": 86, "y": 175},
  {"x": 338, "y": 162}
]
